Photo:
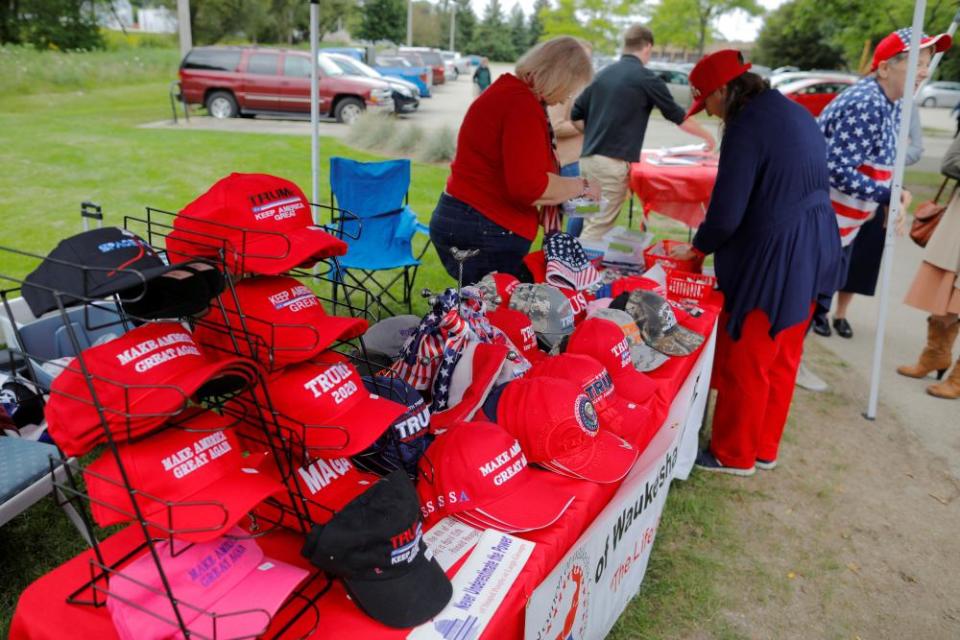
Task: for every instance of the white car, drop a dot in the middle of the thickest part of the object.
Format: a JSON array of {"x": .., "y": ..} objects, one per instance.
[
  {"x": 461, "y": 64},
  {"x": 939, "y": 94}
]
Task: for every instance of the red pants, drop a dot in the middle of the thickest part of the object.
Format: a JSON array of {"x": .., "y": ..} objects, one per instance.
[{"x": 754, "y": 378}]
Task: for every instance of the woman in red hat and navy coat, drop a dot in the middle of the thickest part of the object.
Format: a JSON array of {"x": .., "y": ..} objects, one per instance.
[{"x": 773, "y": 234}]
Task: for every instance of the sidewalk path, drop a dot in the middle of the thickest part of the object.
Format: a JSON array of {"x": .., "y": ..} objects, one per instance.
[{"x": 934, "y": 421}]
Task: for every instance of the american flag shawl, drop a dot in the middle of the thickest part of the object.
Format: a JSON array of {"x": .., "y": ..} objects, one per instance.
[{"x": 860, "y": 127}]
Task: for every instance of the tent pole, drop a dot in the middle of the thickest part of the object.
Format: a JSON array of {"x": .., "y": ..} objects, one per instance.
[
  {"x": 894, "y": 208},
  {"x": 314, "y": 107}
]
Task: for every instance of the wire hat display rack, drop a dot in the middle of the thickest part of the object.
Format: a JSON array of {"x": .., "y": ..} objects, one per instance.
[{"x": 245, "y": 405}]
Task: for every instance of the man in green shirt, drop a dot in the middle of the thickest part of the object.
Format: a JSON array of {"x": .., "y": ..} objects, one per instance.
[{"x": 481, "y": 77}]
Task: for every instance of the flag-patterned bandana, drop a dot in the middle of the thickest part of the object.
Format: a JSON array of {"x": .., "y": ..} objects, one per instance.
[{"x": 567, "y": 264}]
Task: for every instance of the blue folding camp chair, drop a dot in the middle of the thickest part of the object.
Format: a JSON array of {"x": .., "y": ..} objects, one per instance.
[{"x": 376, "y": 192}]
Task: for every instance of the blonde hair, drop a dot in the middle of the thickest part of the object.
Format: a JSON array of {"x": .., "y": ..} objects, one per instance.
[{"x": 559, "y": 65}]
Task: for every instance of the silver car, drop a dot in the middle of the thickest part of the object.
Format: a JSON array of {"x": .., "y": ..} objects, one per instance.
[
  {"x": 678, "y": 81},
  {"x": 940, "y": 94}
]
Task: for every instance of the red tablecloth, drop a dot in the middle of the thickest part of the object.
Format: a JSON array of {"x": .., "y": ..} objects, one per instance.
[
  {"x": 678, "y": 192},
  {"x": 42, "y": 611}
]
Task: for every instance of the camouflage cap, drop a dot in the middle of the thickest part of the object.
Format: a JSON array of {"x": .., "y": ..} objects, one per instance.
[
  {"x": 644, "y": 357},
  {"x": 496, "y": 289},
  {"x": 657, "y": 323},
  {"x": 549, "y": 310}
]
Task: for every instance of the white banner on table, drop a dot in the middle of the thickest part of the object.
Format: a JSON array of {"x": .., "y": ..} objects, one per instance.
[
  {"x": 478, "y": 588},
  {"x": 449, "y": 540},
  {"x": 593, "y": 583}
]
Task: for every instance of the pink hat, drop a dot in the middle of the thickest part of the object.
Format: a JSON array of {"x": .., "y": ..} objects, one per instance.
[{"x": 225, "y": 588}]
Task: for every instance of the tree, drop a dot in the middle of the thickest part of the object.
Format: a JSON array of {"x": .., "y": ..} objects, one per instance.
[
  {"x": 68, "y": 25},
  {"x": 466, "y": 25},
  {"x": 799, "y": 33},
  {"x": 840, "y": 33},
  {"x": 675, "y": 24},
  {"x": 519, "y": 36},
  {"x": 428, "y": 25},
  {"x": 492, "y": 36},
  {"x": 383, "y": 20},
  {"x": 535, "y": 28},
  {"x": 700, "y": 16},
  {"x": 596, "y": 21}
]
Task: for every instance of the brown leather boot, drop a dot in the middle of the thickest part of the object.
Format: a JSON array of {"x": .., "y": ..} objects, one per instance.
[
  {"x": 937, "y": 355},
  {"x": 949, "y": 388}
]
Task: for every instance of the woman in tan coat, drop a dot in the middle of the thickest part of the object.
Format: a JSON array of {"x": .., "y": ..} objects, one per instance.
[{"x": 936, "y": 289}]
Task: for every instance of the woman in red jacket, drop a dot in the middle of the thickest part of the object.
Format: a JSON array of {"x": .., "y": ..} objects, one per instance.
[{"x": 505, "y": 178}]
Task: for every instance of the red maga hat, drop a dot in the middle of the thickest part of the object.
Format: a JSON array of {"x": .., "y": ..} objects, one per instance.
[
  {"x": 193, "y": 481},
  {"x": 141, "y": 379},
  {"x": 711, "y": 73},
  {"x": 263, "y": 223},
  {"x": 558, "y": 428},
  {"x": 519, "y": 329},
  {"x": 326, "y": 402},
  {"x": 619, "y": 415},
  {"x": 326, "y": 485},
  {"x": 605, "y": 341},
  {"x": 478, "y": 470},
  {"x": 899, "y": 42},
  {"x": 284, "y": 318}
]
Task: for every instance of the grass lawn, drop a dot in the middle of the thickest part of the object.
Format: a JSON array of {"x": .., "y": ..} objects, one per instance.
[{"x": 59, "y": 149}]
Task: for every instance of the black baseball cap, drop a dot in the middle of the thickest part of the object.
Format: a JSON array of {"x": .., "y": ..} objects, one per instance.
[
  {"x": 375, "y": 544},
  {"x": 102, "y": 262}
]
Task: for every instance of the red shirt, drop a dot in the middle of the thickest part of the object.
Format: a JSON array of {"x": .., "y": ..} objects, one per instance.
[{"x": 503, "y": 156}]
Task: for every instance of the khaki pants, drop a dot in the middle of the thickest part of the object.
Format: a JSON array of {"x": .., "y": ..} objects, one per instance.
[{"x": 613, "y": 176}]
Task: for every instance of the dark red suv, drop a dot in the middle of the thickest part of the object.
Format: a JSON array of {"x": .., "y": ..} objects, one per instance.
[{"x": 230, "y": 81}]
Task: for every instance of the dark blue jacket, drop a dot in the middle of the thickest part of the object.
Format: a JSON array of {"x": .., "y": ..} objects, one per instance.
[{"x": 770, "y": 225}]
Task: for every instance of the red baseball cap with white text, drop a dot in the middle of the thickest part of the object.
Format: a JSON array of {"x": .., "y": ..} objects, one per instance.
[
  {"x": 262, "y": 223},
  {"x": 326, "y": 402},
  {"x": 605, "y": 341},
  {"x": 558, "y": 428},
  {"x": 192, "y": 481},
  {"x": 619, "y": 415},
  {"x": 141, "y": 379},
  {"x": 477, "y": 469},
  {"x": 283, "y": 317},
  {"x": 519, "y": 329}
]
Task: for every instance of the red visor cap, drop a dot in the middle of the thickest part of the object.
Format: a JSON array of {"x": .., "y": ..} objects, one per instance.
[
  {"x": 605, "y": 341},
  {"x": 617, "y": 414},
  {"x": 558, "y": 427},
  {"x": 519, "y": 329},
  {"x": 141, "y": 378},
  {"x": 284, "y": 319},
  {"x": 479, "y": 468},
  {"x": 263, "y": 224},
  {"x": 711, "y": 73},
  {"x": 202, "y": 472},
  {"x": 326, "y": 402}
]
